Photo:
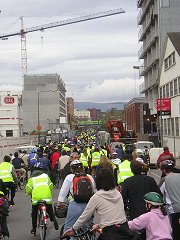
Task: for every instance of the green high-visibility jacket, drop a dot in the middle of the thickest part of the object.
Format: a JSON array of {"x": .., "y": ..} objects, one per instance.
[
  {"x": 6, "y": 172},
  {"x": 40, "y": 188},
  {"x": 125, "y": 171}
]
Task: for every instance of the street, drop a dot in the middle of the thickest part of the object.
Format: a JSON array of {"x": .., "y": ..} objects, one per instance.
[{"x": 19, "y": 220}]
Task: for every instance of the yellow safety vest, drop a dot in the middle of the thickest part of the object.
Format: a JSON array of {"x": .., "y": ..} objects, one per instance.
[
  {"x": 95, "y": 159},
  {"x": 6, "y": 172},
  {"x": 40, "y": 188},
  {"x": 84, "y": 160},
  {"x": 103, "y": 152},
  {"x": 125, "y": 171}
]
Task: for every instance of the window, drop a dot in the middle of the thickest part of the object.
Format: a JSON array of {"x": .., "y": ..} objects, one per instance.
[
  {"x": 165, "y": 127},
  {"x": 165, "y": 3},
  {"x": 164, "y": 92},
  {"x": 172, "y": 126},
  {"x": 171, "y": 89},
  {"x": 9, "y": 133},
  {"x": 175, "y": 87},
  {"x": 168, "y": 127},
  {"x": 167, "y": 90},
  {"x": 177, "y": 126},
  {"x": 169, "y": 61},
  {"x": 179, "y": 84}
]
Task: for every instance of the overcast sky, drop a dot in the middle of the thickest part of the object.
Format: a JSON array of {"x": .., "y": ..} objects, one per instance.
[{"x": 95, "y": 58}]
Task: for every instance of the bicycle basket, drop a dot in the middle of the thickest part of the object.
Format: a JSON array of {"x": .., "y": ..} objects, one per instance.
[{"x": 60, "y": 212}]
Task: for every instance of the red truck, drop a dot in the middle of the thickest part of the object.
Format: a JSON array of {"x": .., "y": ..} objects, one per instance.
[{"x": 116, "y": 130}]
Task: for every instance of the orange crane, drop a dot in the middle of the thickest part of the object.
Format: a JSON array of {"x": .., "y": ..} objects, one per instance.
[{"x": 23, "y": 31}]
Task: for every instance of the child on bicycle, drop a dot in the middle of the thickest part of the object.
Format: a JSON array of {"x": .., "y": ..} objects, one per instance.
[{"x": 40, "y": 188}]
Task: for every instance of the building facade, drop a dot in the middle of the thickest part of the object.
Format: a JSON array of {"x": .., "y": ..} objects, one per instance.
[
  {"x": 82, "y": 114},
  {"x": 170, "y": 90},
  {"x": 156, "y": 18},
  {"x": 95, "y": 113},
  {"x": 10, "y": 114},
  {"x": 44, "y": 102},
  {"x": 133, "y": 112}
]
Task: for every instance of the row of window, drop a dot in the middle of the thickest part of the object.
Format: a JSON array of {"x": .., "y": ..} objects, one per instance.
[
  {"x": 169, "y": 61},
  {"x": 171, "y": 126},
  {"x": 170, "y": 89}
]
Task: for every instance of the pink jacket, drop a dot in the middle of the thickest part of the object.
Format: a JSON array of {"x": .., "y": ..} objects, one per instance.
[{"x": 156, "y": 224}]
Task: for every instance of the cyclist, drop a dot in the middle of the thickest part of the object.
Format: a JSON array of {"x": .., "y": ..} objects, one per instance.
[
  {"x": 171, "y": 191},
  {"x": 107, "y": 203},
  {"x": 32, "y": 159},
  {"x": 45, "y": 162},
  {"x": 8, "y": 175},
  {"x": 75, "y": 208},
  {"x": 40, "y": 188},
  {"x": 156, "y": 221},
  {"x": 166, "y": 155},
  {"x": 18, "y": 164},
  {"x": 4, "y": 210}
]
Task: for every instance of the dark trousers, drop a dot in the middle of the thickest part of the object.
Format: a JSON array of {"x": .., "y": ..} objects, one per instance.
[
  {"x": 49, "y": 210},
  {"x": 175, "y": 217},
  {"x": 11, "y": 186},
  {"x": 4, "y": 228}
]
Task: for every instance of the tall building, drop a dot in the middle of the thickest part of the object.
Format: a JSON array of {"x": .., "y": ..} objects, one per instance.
[
  {"x": 95, "y": 113},
  {"x": 10, "y": 114},
  {"x": 157, "y": 18},
  {"x": 44, "y": 102}
]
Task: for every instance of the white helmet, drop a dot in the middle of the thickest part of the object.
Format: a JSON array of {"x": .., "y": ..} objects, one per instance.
[{"x": 75, "y": 163}]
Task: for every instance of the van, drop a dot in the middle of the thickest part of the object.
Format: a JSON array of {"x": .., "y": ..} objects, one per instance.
[{"x": 154, "y": 155}]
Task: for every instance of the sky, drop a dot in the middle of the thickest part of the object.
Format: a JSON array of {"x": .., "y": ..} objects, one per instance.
[{"x": 95, "y": 58}]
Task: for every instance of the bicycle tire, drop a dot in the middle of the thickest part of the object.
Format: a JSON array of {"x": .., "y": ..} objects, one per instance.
[
  {"x": 21, "y": 183},
  {"x": 42, "y": 227}
]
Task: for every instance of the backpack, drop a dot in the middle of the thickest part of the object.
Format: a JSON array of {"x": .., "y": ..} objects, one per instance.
[
  {"x": 33, "y": 160},
  {"x": 82, "y": 188}
]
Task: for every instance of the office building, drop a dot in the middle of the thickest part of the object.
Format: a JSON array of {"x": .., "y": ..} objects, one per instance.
[{"x": 44, "y": 102}]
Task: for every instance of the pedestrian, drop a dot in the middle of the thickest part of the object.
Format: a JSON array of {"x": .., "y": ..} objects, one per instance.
[
  {"x": 171, "y": 191},
  {"x": 166, "y": 155}
]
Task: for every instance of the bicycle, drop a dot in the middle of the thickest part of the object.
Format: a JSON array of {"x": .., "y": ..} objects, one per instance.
[
  {"x": 79, "y": 234},
  {"x": 42, "y": 219},
  {"x": 21, "y": 180}
]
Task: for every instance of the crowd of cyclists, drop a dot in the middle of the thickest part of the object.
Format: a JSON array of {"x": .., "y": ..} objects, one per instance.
[{"x": 101, "y": 189}]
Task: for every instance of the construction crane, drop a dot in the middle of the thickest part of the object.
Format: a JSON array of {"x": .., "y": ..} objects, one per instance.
[{"x": 23, "y": 31}]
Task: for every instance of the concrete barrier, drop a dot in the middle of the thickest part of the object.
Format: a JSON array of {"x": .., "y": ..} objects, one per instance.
[{"x": 7, "y": 145}]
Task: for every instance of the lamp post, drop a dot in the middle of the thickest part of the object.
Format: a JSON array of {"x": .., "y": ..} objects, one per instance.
[{"x": 38, "y": 112}]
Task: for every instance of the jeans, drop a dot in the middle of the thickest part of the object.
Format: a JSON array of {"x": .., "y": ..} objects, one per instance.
[
  {"x": 11, "y": 186},
  {"x": 74, "y": 211},
  {"x": 4, "y": 227},
  {"x": 175, "y": 225}
]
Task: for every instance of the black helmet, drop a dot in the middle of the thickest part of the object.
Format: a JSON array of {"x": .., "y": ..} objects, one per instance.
[
  {"x": 167, "y": 165},
  {"x": 76, "y": 164},
  {"x": 60, "y": 212}
]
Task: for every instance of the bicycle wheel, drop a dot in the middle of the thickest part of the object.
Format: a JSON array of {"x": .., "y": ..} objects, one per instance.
[
  {"x": 21, "y": 183},
  {"x": 42, "y": 227}
]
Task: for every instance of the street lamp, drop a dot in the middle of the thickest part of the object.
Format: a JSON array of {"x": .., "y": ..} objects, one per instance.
[{"x": 38, "y": 126}]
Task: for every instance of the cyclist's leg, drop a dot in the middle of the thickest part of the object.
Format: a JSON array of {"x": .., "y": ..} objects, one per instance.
[
  {"x": 34, "y": 217},
  {"x": 4, "y": 227},
  {"x": 11, "y": 186},
  {"x": 51, "y": 214},
  {"x": 74, "y": 211}
]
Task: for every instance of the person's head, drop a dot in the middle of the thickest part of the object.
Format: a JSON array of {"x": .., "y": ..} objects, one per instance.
[
  {"x": 40, "y": 154},
  {"x": 154, "y": 200},
  {"x": 134, "y": 155},
  {"x": 136, "y": 167},
  {"x": 105, "y": 180},
  {"x": 166, "y": 149},
  {"x": 55, "y": 149},
  {"x": 85, "y": 151},
  {"x": 167, "y": 166},
  {"x": 33, "y": 151},
  {"x": 104, "y": 161},
  {"x": 16, "y": 154},
  {"x": 63, "y": 152},
  {"x": 114, "y": 155},
  {"x": 38, "y": 166},
  {"x": 20, "y": 151},
  {"x": 24, "y": 151},
  {"x": 76, "y": 167},
  {"x": 7, "y": 158},
  {"x": 74, "y": 156}
]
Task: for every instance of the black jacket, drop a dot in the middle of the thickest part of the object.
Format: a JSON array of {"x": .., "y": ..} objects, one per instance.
[{"x": 133, "y": 190}]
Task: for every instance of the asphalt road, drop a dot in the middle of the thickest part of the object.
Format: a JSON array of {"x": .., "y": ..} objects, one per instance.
[{"x": 19, "y": 220}]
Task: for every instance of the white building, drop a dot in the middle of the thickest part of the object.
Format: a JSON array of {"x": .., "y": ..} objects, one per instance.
[
  {"x": 170, "y": 88},
  {"x": 10, "y": 114},
  {"x": 82, "y": 114}
]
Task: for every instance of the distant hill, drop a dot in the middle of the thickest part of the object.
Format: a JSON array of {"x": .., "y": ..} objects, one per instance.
[{"x": 102, "y": 106}]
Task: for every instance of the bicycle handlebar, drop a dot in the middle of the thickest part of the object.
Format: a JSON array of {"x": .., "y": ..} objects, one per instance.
[{"x": 76, "y": 235}]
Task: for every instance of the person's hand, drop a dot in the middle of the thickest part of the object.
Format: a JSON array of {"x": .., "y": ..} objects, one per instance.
[
  {"x": 95, "y": 227},
  {"x": 68, "y": 233}
]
